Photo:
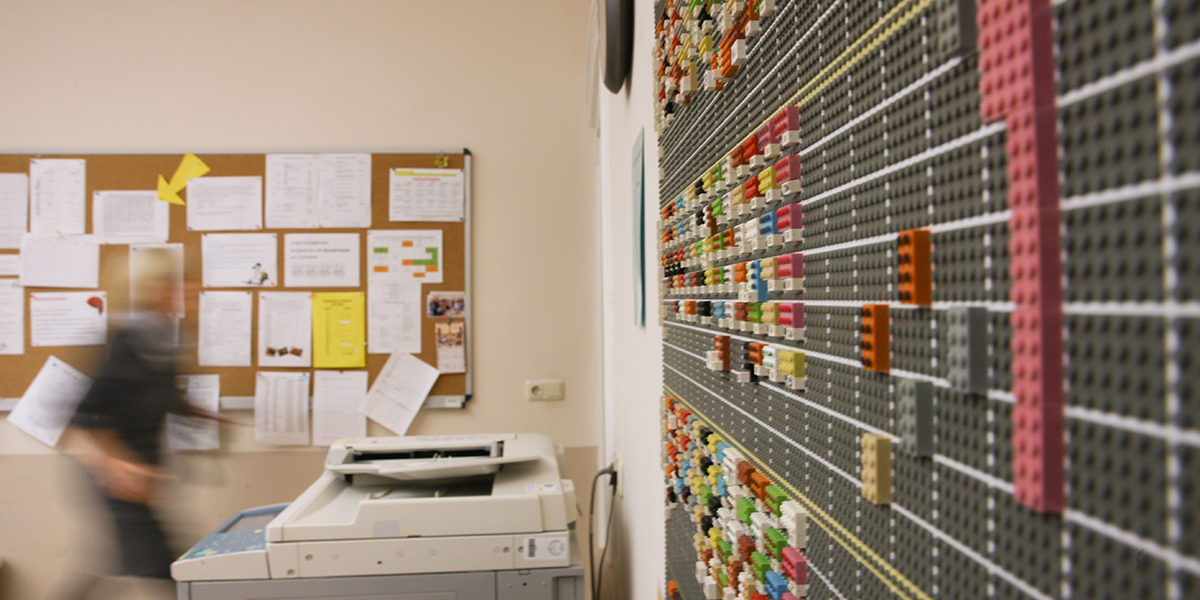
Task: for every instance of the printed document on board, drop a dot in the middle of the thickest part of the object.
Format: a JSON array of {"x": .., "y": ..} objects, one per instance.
[
  {"x": 60, "y": 261},
  {"x": 12, "y": 317},
  {"x": 224, "y": 329},
  {"x": 399, "y": 391},
  {"x": 188, "y": 433},
  {"x": 57, "y": 195},
  {"x": 337, "y": 406},
  {"x": 285, "y": 329},
  {"x": 14, "y": 208},
  {"x": 224, "y": 203},
  {"x": 50, "y": 401},
  {"x": 68, "y": 319},
  {"x": 281, "y": 408},
  {"x": 130, "y": 218}
]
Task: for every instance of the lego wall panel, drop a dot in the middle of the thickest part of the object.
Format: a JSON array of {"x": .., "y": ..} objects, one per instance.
[{"x": 929, "y": 297}]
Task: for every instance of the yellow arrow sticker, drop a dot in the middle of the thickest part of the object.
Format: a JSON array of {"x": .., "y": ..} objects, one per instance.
[
  {"x": 165, "y": 194},
  {"x": 191, "y": 166}
]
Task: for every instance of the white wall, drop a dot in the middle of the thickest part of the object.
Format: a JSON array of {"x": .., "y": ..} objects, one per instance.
[
  {"x": 504, "y": 80},
  {"x": 632, "y": 355}
]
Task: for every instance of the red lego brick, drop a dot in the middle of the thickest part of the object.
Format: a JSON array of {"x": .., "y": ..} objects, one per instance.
[{"x": 750, "y": 148}]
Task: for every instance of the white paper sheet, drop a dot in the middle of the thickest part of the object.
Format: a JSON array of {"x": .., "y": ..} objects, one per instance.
[
  {"x": 285, "y": 329},
  {"x": 394, "y": 312},
  {"x": 68, "y": 319},
  {"x": 321, "y": 260},
  {"x": 184, "y": 433},
  {"x": 399, "y": 391},
  {"x": 137, "y": 254},
  {"x": 10, "y": 265},
  {"x": 344, "y": 199},
  {"x": 337, "y": 406},
  {"x": 61, "y": 261},
  {"x": 12, "y": 317},
  {"x": 50, "y": 401},
  {"x": 224, "y": 339},
  {"x": 293, "y": 182},
  {"x": 14, "y": 208},
  {"x": 137, "y": 217},
  {"x": 425, "y": 194},
  {"x": 240, "y": 259},
  {"x": 224, "y": 203},
  {"x": 414, "y": 255},
  {"x": 58, "y": 195},
  {"x": 281, "y": 408}
]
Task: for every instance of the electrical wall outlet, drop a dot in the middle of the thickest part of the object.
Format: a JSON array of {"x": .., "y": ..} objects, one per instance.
[{"x": 544, "y": 389}]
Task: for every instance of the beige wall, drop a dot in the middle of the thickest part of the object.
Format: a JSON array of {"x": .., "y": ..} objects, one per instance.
[
  {"x": 632, "y": 355},
  {"x": 504, "y": 80}
]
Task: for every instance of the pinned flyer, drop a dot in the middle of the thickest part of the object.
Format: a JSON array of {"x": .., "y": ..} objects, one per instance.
[{"x": 190, "y": 167}]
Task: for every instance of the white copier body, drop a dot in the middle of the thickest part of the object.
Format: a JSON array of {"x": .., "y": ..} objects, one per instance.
[{"x": 387, "y": 507}]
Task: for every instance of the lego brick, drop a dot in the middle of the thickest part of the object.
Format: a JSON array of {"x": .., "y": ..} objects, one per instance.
[
  {"x": 966, "y": 346},
  {"x": 914, "y": 267},
  {"x": 875, "y": 350},
  {"x": 877, "y": 468},
  {"x": 915, "y": 405}
]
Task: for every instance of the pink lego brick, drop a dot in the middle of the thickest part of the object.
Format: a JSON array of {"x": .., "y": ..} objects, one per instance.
[
  {"x": 787, "y": 168},
  {"x": 789, "y": 217}
]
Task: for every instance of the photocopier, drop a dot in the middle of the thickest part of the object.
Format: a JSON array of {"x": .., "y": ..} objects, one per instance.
[{"x": 481, "y": 517}]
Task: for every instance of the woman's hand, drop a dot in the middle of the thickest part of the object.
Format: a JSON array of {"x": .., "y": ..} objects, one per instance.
[{"x": 126, "y": 480}]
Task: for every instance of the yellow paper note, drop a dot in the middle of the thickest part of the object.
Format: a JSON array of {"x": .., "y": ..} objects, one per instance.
[
  {"x": 191, "y": 166},
  {"x": 339, "y": 330}
]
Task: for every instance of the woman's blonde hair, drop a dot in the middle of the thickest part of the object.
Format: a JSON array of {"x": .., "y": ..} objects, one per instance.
[{"x": 153, "y": 275}]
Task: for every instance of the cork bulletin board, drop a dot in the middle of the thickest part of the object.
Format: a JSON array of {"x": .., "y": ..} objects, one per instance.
[{"x": 140, "y": 172}]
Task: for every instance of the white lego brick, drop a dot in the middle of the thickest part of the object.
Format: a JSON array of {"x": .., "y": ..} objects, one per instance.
[{"x": 793, "y": 285}]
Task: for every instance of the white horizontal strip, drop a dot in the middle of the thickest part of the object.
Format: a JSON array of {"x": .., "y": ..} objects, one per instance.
[
  {"x": 691, "y": 354},
  {"x": 975, "y": 136},
  {"x": 810, "y": 453},
  {"x": 990, "y": 481},
  {"x": 829, "y": 411},
  {"x": 1134, "y": 309},
  {"x": 991, "y": 567},
  {"x": 1169, "y": 433},
  {"x": 1002, "y": 216},
  {"x": 1173, "y": 559},
  {"x": 874, "y": 110},
  {"x": 892, "y": 304},
  {"x": 1166, "y": 185},
  {"x": 878, "y": 239},
  {"x": 1160, "y": 62}
]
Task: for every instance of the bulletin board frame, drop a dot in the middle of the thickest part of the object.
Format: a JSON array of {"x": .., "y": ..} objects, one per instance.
[{"x": 139, "y": 171}]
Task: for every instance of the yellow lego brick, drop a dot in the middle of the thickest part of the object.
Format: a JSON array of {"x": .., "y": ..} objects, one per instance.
[{"x": 877, "y": 468}]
